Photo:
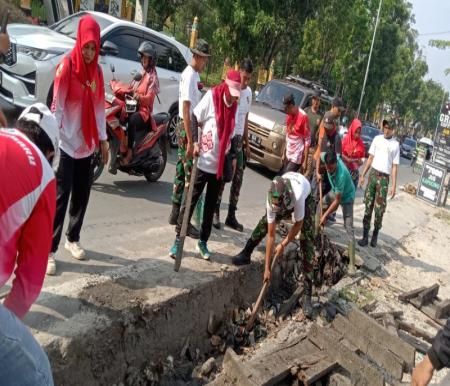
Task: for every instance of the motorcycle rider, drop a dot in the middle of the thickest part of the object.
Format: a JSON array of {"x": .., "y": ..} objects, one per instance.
[{"x": 145, "y": 91}]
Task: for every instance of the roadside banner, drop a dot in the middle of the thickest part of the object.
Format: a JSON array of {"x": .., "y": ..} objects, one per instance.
[
  {"x": 431, "y": 183},
  {"x": 442, "y": 138}
]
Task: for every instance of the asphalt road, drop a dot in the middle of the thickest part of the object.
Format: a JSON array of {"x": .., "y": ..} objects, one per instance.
[{"x": 127, "y": 217}]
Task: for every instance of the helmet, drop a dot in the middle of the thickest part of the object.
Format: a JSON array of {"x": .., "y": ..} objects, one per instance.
[{"x": 147, "y": 49}]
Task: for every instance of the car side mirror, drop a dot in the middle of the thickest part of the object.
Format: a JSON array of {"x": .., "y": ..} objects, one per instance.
[{"x": 109, "y": 48}]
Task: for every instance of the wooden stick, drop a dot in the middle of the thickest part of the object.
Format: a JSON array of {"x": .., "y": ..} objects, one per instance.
[{"x": 261, "y": 296}]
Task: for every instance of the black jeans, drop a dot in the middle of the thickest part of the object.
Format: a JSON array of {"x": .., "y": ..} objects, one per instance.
[
  {"x": 135, "y": 124},
  {"x": 212, "y": 193},
  {"x": 74, "y": 180}
]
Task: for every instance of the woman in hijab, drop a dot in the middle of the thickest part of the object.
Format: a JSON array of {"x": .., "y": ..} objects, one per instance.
[
  {"x": 145, "y": 91},
  {"x": 78, "y": 105},
  {"x": 353, "y": 150}
]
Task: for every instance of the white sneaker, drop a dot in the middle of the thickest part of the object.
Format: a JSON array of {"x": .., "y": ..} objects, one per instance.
[
  {"x": 51, "y": 265},
  {"x": 76, "y": 250}
]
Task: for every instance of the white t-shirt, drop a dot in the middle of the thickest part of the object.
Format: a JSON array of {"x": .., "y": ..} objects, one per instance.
[
  {"x": 209, "y": 140},
  {"x": 245, "y": 101},
  {"x": 301, "y": 188},
  {"x": 188, "y": 90},
  {"x": 385, "y": 153}
]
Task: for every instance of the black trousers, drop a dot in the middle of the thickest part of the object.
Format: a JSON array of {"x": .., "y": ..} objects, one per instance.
[
  {"x": 135, "y": 124},
  {"x": 74, "y": 181},
  {"x": 212, "y": 193}
]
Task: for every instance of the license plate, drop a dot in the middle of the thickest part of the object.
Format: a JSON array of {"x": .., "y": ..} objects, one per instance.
[{"x": 255, "y": 139}]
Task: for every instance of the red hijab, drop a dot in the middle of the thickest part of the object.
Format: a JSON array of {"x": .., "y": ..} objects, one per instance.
[
  {"x": 351, "y": 146},
  {"x": 225, "y": 117},
  {"x": 88, "y": 75}
]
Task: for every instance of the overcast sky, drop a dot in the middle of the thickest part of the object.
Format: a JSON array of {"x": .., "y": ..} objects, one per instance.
[{"x": 433, "y": 16}]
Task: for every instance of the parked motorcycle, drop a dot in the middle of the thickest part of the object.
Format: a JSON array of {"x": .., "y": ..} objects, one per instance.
[{"x": 150, "y": 150}]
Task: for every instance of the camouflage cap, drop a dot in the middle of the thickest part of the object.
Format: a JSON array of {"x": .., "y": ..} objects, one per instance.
[{"x": 280, "y": 195}]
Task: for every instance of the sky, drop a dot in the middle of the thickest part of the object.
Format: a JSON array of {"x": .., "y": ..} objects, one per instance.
[{"x": 432, "y": 16}]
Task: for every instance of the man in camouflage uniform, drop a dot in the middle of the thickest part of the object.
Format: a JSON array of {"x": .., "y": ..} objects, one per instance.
[
  {"x": 384, "y": 157},
  {"x": 189, "y": 96},
  {"x": 240, "y": 140},
  {"x": 290, "y": 193}
]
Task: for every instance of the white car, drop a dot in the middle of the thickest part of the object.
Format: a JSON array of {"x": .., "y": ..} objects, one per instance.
[{"x": 27, "y": 75}]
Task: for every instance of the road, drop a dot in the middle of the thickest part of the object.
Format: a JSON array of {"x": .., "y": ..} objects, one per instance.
[{"x": 127, "y": 218}]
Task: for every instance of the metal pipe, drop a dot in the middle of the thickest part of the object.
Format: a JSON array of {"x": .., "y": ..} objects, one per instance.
[{"x": 370, "y": 57}]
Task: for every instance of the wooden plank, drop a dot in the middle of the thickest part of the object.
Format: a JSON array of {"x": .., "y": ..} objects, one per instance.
[
  {"x": 426, "y": 296},
  {"x": 378, "y": 334},
  {"x": 405, "y": 296},
  {"x": 389, "y": 324},
  {"x": 443, "y": 309},
  {"x": 235, "y": 370},
  {"x": 379, "y": 354},
  {"x": 415, "y": 331},
  {"x": 420, "y": 346},
  {"x": 379, "y": 315},
  {"x": 314, "y": 373},
  {"x": 329, "y": 340},
  {"x": 429, "y": 311}
]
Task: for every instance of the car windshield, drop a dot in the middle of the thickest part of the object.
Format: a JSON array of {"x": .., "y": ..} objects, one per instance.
[
  {"x": 410, "y": 142},
  {"x": 273, "y": 92},
  {"x": 69, "y": 26},
  {"x": 369, "y": 131}
]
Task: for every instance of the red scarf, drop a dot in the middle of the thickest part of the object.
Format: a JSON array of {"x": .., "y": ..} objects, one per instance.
[
  {"x": 88, "y": 75},
  {"x": 351, "y": 146},
  {"x": 225, "y": 117}
]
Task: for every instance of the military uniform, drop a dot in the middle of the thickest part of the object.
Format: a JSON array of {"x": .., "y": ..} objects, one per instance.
[{"x": 375, "y": 199}]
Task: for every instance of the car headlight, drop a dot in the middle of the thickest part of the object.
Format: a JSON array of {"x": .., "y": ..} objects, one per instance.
[
  {"x": 279, "y": 129},
  {"x": 37, "y": 53}
]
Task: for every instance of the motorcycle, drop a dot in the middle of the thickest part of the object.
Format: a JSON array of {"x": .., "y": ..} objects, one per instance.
[{"x": 150, "y": 149}]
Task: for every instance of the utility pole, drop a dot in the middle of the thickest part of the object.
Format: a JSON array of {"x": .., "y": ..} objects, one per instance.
[{"x": 370, "y": 57}]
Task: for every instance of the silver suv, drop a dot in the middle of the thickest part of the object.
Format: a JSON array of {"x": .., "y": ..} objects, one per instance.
[{"x": 27, "y": 75}]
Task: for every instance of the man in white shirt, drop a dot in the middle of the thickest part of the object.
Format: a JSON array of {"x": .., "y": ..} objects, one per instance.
[
  {"x": 189, "y": 96},
  {"x": 290, "y": 193},
  {"x": 241, "y": 140},
  {"x": 215, "y": 116},
  {"x": 384, "y": 157}
]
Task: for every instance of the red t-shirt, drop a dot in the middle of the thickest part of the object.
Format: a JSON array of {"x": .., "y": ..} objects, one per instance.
[
  {"x": 27, "y": 210},
  {"x": 298, "y": 136}
]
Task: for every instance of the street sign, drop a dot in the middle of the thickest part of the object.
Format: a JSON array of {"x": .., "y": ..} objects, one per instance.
[
  {"x": 431, "y": 183},
  {"x": 442, "y": 138}
]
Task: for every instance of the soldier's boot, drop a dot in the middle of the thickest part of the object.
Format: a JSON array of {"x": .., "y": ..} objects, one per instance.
[
  {"x": 373, "y": 242},
  {"x": 231, "y": 220},
  {"x": 216, "y": 218},
  {"x": 173, "y": 218},
  {"x": 307, "y": 292},
  {"x": 244, "y": 256},
  {"x": 365, "y": 240}
]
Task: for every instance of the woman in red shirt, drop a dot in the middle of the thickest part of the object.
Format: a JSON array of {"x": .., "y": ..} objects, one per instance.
[
  {"x": 353, "y": 150},
  {"x": 79, "y": 108},
  {"x": 144, "y": 92}
]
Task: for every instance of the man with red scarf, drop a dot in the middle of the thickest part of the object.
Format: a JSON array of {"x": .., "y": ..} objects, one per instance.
[
  {"x": 298, "y": 136},
  {"x": 79, "y": 108},
  {"x": 215, "y": 115},
  {"x": 353, "y": 150}
]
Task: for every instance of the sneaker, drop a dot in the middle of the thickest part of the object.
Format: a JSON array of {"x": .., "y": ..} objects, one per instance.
[
  {"x": 76, "y": 250},
  {"x": 202, "y": 248},
  {"x": 174, "y": 249},
  {"x": 51, "y": 265}
]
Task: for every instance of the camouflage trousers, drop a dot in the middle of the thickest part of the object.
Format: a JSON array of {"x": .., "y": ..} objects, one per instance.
[
  {"x": 375, "y": 199},
  {"x": 306, "y": 238},
  {"x": 183, "y": 167},
  {"x": 236, "y": 183}
]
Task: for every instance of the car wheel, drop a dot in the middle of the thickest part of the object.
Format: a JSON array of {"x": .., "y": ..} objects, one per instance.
[{"x": 172, "y": 128}]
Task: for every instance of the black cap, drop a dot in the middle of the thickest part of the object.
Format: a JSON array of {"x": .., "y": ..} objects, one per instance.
[
  {"x": 337, "y": 102},
  {"x": 288, "y": 99},
  {"x": 329, "y": 120},
  {"x": 201, "y": 48}
]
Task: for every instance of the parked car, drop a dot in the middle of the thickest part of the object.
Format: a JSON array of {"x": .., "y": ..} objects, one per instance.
[
  {"x": 267, "y": 119},
  {"x": 368, "y": 132},
  {"x": 26, "y": 77},
  {"x": 407, "y": 147}
]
